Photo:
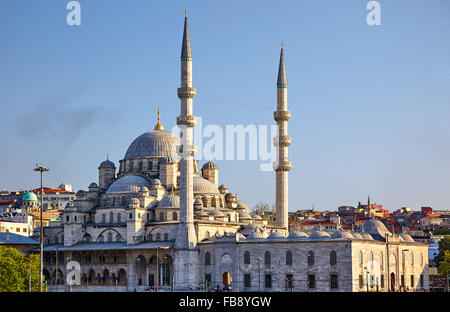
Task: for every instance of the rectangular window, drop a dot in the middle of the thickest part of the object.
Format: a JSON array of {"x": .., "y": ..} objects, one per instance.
[
  {"x": 311, "y": 281},
  {"x": 268, "y": 281},
  {"x": 382, "y": 281},
  {"x": 24, "y": 230},
  {"x": 289, "y": 281},
  {"x": 247, "y": 280},
  {"x": 334, "y": 281},
  {"x": 402, "y": 281},
  {"x": 412, "y": 281},
  {"x": 361, "y": 281}
]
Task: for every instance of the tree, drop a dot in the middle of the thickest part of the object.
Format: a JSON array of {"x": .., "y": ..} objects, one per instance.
[
  {"x": 261, "y": 208},
  {"x": 15, "y": 271},
  {"x": 444, "y": 266}
]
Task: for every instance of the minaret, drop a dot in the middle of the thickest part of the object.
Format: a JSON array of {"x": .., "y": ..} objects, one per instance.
[
  {"x": 186, "y": 257},
  {"x": 281, "y": 116}
]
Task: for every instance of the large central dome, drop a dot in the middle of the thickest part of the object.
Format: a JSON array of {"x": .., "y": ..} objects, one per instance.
[{"x": 156, "y": 143}]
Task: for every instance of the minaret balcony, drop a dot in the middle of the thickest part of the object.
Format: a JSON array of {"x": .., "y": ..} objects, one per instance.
[
  {"x": 186, "y": 93},
  {"x": 281, "y": 115},
  {"x": 186, "y": 120},
  {"x": 284, "y": 165}
]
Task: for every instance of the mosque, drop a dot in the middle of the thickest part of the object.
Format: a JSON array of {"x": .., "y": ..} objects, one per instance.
[{"x": 157, "y": 222}]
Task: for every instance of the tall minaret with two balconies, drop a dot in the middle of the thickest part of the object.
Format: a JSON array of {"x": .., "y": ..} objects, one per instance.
[
  {"x": 283, "y": 165},
  {"x": 186, "y": 251}
]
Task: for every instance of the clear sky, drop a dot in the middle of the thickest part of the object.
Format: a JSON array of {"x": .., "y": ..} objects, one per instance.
[{"x": 370, "y": 105}]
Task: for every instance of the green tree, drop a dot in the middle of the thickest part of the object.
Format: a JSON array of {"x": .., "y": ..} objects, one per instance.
[
  {"x": 444, "y": 266},
  {"x": 15, "y": 271}
]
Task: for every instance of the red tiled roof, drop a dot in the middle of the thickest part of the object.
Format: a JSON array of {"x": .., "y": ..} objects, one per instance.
[
  {"x": 50, "y": 190},
  {"x": 6, "y": 201},
  {"x": 316, "y": 223}
]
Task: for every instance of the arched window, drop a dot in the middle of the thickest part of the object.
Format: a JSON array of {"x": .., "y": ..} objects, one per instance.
[
  {"x": 150, "y": 237},
  {"x": 110, "y": 237},
  {"x": 381, "y": 260},
  {"x": 361, "y": 259},
  {"x": 412, "y": 258},
  {"x": 140, "y": 166},
  {"x": 161, "y": 216},
  {"x": 371, "y": 258},
  {"x": 174, "y": 216},
  {"x": 333, "y": 258},
  {"x": 119, "y": 238},
  {"x": 111, "y": 217},
  {"x": 288, "y": 257},
  {"x": 166, "y": 237},
  {"x": 247, "y": 257},
  {"x": 118, "y": 217},
  {"x": 267, "y": 258},
  {"x": 207, "y": 258},
  {"x": 310, "y": 257},
  {"x": 158, "y": 236}
]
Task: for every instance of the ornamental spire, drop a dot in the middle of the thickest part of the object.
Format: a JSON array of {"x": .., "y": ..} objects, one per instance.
[
  {"x": 282, "y": 81},
  {"x": 158, "y": 126},
  {"x": 186, "y": 48}
]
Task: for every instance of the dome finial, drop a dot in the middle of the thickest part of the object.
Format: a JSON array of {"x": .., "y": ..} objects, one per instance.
[
  {"x": 158, "y": 125},
  {"x": 171, "y": 192},
  {"x": 107, "y": 156}
]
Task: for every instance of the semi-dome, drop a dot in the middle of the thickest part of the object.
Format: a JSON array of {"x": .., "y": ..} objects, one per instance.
[
  {"x": 357, "y": 235},
  {"x": 29, "y": 196},
  {"x": 156, "y": 143},
  {"x": 210, "y": 165},
  {"x": 342, "y": 235},
  {"x": 203, "y": 186},
  {"x": 252, "y": 227},
  {"x": 276, "y": 235},
  {"x": 107, "y": 164},
  {"x": 407, "y": 237},
  {"x": 319, "y": 235},
  {"x": 128, "y": 184},
  {"x": 375, "y": 227},
  {"x": 297, "y": 234},
  {"x": 170, "y": 201}
]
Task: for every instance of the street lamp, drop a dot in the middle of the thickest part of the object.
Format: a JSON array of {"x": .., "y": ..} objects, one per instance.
[
  {"x": 41, "y": 169},
  {"x": 259, "y": 274}
]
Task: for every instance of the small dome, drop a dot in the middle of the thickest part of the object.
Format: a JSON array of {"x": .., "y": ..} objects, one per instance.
[
  {"x": 156, "y": 182},
  {"x": 257, "y": 217},
  {"x": 257, "y": 235},
  {"x": 203, "y": 186},
  {"x": 297, "y": 234},
  {"x": 319, "y": 235},
  {"x": 407, "y": 237},
  {"x": 169, "y": 201},
  {"x": 201, "y": 213},
  {"x": 198, "y": 203},
  {"x": 375, "y": 227},
  {"x": 29, "y": 196},
  {"x": 128, "y": 184},
  {"x": 144, "y": 189},
  {"x": 223, "y": 187},
  {"x": 244, "y": 216},
  {"x": 342, "y": 235},
  {"x": 252, "y": 227},
  {"x": 357, "y": 235},
  {"x": 210, "y": 165},
  {"x": 366, "y": 236},
  {"x": 107, "y": 164},
  {"x": 276, "y": 235},
  {"x": 93, "y": 185},
  {"x": 216, "y": 213},
  {"x": 242, "y": 205}
]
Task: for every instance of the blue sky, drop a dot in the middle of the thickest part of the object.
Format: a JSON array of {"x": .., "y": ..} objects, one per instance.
[{"x": 370, "y": 105}]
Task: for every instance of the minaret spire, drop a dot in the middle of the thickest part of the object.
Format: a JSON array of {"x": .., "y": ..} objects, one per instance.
[
  {"x": 283, "y": 165},
  {"x": 186, "y": 47}
]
